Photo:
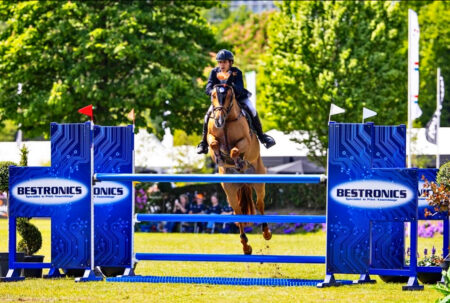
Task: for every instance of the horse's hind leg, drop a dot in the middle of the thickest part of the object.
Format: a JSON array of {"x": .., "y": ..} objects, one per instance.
[{"x": 260, "y": 194}]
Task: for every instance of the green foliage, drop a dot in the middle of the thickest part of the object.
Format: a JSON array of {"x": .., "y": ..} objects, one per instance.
[
  {"x": 31, "y": 237},
  {"x": 249, "y": 40},
  {"x": 443, "y": 176},
  {"x": 180, "y": 137},
  {"x": 24, "y": 155},
  {"x": 4, "y": 175},
  {"x": 434, "y": 19},
  {"x": 8, "y": 131},
  {"x": 444, "y": 288},
  {"x": 352, "y": 54},
  {"x": 115, "y": 55}
]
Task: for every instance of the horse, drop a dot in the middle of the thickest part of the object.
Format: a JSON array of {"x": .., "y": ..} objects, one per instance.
[{"x": 234, "y": 147}]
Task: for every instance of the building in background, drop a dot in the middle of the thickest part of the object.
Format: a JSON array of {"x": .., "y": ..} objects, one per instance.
[{"x": 252, "y": 5}]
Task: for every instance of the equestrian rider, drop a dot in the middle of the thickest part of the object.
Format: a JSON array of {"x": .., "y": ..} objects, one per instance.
[{"x": 225, "y": 60}]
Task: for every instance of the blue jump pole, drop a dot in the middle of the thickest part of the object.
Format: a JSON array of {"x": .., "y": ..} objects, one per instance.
[
  {"x": 230, "y": 218},
  {"x": 211, "y": 178},
  {"x": 230, "y": 258}
]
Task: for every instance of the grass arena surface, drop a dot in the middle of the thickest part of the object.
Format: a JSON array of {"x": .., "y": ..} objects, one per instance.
[{"x": 66, "y": 290}]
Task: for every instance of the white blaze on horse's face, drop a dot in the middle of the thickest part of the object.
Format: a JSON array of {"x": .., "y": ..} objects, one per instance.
[{"x": 221, "y": 101}]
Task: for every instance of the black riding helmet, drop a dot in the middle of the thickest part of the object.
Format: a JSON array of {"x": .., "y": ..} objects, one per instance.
[{"x": 224, "y": 54}]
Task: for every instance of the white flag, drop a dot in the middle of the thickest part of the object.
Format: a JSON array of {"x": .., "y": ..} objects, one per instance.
[
  {"x": 413, "y": 64},
  {"x": 431, "y": 129},
  {"x": 19, "y": 138},
  {"x": 367, "y": 113},
  {"x": 335, "y": 110},
  {"x": 250, "y": 78}
]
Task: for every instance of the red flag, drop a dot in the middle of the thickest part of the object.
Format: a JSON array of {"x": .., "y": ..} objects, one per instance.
[{"x": 87, "y": 110}]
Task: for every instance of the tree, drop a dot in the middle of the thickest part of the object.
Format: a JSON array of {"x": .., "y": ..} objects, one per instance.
[
  {"x": 434, "y": 19},
  {"x": 246, "y": 34},
  {"x": 146, "y": 55},
  {"x": 352, "y": 54}
]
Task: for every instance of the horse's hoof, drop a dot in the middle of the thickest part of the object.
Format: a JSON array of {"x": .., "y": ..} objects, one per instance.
[
  {"x": 248, "y": 250},
  {"x": 267, "y": 234}
]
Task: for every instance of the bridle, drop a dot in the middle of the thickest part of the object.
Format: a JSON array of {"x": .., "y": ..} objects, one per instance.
[{"x": 222, "y": 108}]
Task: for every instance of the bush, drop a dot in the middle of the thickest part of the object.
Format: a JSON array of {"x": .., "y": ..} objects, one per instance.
[
  {"x": 24, "y": 156},
  {"x": 4, "y": 175},
  {"x": 31, "y": 237}
]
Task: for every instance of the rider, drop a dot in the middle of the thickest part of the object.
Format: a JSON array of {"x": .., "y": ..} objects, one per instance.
[{"x": 225, "y": 60}]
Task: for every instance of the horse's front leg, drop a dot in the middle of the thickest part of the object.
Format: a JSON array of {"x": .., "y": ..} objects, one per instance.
[
  {"x": 235, "y": 152},
  {"x": 214, "y": 145},
  {"x": 231, "y": 192}
]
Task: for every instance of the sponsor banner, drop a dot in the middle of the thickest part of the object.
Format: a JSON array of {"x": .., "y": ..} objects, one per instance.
[
  {"x": 107, "y": 192},
  {"x": 372, "y": 194},
  {"x": 49, "y": 191}
]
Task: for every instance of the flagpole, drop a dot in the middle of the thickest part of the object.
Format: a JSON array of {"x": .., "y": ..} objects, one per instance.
[
  {"x": 409, "y": 89},
  {"x": 438, "y": 113}
]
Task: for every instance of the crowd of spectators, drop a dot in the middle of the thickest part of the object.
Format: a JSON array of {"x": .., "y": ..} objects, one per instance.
[{"x": 182, "y": 205}]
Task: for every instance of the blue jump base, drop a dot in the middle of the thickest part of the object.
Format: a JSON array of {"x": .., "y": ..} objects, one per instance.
[{"x": 223, "y": 281}]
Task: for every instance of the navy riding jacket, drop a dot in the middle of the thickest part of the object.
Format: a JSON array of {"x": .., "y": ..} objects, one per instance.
[{"x": 236, "y": 80}]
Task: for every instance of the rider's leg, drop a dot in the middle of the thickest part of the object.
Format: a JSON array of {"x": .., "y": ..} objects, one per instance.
[
  {"x": 202, "y": 148},
  {"x": 265, "y": 139}
]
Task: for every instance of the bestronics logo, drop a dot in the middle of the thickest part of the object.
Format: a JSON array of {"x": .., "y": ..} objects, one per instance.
[
  {"x": 106, "y": 192},
  {"x": 372, "y": 194},
  {"x": 49, "y": 191}
]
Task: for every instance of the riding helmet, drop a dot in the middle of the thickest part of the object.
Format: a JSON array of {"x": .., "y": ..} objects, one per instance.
[{"x": 224, "y": 54}]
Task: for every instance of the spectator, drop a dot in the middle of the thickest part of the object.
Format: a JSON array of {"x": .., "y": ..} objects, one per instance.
[
  {"x": 198, "y": 208},
  {"x": 229, "y": 227},
  {"x": 179, "y": 207},
  {"x": 214, "y": 209}
]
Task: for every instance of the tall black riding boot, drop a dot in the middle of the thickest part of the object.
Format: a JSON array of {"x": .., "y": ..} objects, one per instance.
[
  {"x": 202, "y": 148},
  {"x": 267, "y": 140}
]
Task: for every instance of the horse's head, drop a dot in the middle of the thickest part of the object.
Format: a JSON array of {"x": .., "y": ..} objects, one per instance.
[{"x": 222, "y": 100}]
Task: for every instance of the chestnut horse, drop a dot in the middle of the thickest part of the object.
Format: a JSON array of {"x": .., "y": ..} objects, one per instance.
[{"x": 235, "y": 149}]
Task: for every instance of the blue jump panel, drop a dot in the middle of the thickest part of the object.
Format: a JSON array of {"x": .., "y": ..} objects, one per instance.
[
  {"x": 61, "y": 192},
  {"x": 222, "y": 281},
  {"x": 113, "y": 200}
]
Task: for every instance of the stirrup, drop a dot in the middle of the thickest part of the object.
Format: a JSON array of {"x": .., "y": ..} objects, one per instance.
[{"x": 202, "y": 148}]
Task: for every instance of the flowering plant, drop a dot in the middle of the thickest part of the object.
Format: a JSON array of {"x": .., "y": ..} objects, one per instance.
[
  {"x": 147, "y": 198},
  {"x": 438, "y": 194},
  {"x": 429, "y": 230},
  {"x": 427, "y": 260}
]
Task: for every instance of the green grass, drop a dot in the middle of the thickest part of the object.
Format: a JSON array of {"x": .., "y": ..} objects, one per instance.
[{"x": 39, "y": 290}]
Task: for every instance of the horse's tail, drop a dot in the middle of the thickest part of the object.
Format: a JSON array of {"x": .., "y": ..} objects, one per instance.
[{"x": 245, "y": 199}]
